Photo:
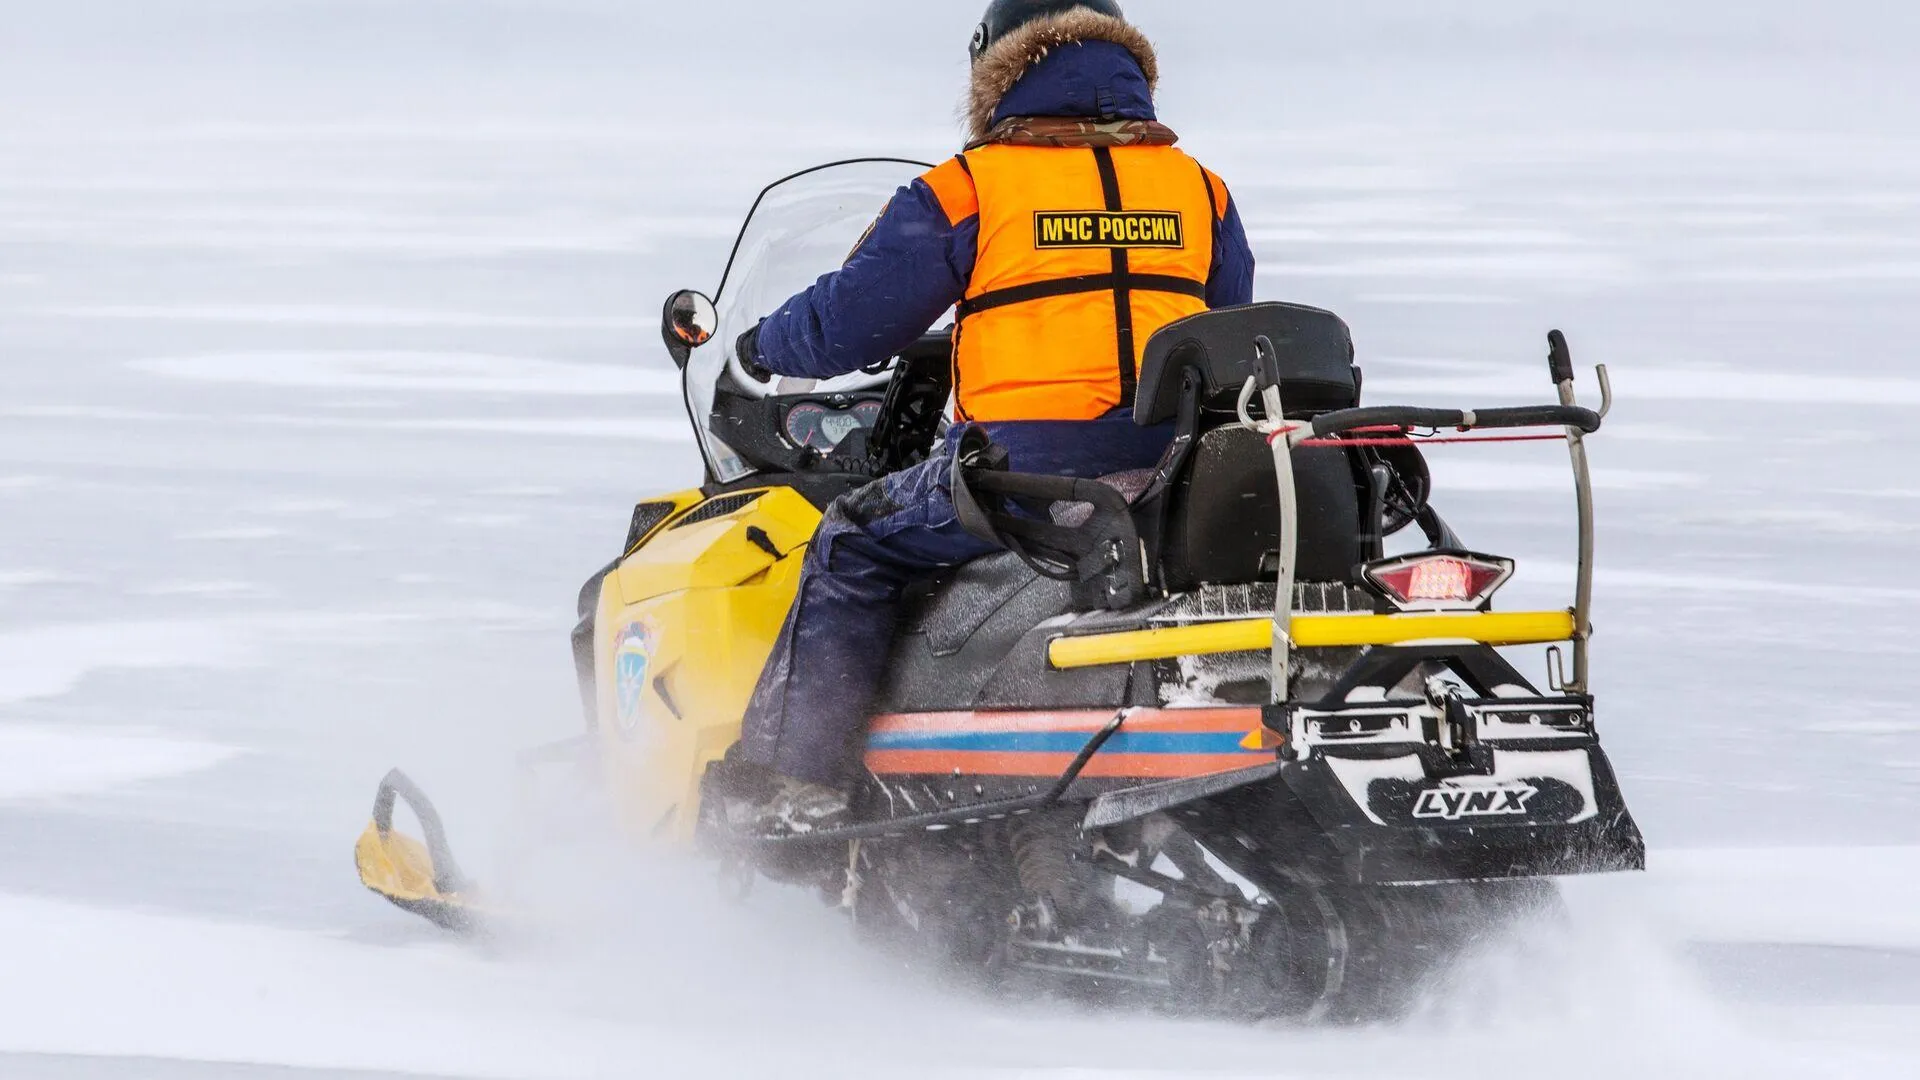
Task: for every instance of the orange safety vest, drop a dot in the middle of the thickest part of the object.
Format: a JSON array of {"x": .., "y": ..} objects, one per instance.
[{"x": 1084, "y": 253}]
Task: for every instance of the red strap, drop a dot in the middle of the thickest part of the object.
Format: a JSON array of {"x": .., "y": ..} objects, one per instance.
[{"x": 1431, "y": 440}]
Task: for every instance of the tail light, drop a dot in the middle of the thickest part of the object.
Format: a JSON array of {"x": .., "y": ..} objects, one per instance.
[{"x": 1439, "y": 581}]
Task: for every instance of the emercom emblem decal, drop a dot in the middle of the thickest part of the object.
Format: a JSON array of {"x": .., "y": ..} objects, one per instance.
[
  {"x": 632, "y": 662},
  {"x": 1122, "y": 229}
]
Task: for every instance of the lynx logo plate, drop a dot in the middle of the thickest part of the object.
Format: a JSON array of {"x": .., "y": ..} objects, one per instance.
[{"x": 1457, "y": 802}]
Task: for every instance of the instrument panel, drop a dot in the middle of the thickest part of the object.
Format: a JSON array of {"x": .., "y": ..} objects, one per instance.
[{"x": 822, "y": 424}]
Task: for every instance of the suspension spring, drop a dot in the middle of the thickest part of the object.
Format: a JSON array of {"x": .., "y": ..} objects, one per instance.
[{"x": 1043, "y": 847}]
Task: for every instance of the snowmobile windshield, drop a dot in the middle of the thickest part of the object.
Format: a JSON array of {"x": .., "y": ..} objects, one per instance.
[{"x": 799, "y": 229}]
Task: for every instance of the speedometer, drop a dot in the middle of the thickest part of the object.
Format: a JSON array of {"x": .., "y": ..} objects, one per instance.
[
  {"x": 836, "y": 426},
  {"x": 805, "y": 426},
  {"x": 823, "y": 426}
]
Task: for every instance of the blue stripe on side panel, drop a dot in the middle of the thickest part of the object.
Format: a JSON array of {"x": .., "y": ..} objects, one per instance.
[{"x": 1062, "y": 742}]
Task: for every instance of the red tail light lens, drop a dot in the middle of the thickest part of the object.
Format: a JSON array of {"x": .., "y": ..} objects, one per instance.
[{"x": 1440, "y": 581}]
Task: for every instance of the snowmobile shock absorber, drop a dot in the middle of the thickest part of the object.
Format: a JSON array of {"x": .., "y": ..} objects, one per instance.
[{"x": 1043, "y": 858}]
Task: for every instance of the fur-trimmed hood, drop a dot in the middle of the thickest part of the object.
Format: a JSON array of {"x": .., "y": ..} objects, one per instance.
[{"x": 1008, "y": 60}]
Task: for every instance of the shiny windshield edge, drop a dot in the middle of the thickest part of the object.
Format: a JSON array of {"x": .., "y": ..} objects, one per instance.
[
  {"x": 732, "y": 255},
  {"x": 694, "y": 419}
]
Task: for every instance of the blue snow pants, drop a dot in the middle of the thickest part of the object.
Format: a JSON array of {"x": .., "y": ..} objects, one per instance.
[{"x": 809, "y": 712}]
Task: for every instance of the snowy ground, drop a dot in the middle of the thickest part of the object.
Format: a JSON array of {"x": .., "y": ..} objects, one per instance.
[{"x": 328, "y": 369}]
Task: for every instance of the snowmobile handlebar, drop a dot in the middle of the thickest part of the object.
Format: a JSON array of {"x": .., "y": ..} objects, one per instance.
[{"x": 1406, "y": 416}]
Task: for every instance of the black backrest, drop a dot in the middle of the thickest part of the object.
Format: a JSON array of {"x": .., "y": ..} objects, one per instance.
[
  {"x": 1224, "y": 528},
  {"x": 1315, "y": 349}
]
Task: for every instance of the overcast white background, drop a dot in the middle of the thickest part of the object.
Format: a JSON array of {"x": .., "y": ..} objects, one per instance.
[{"x": 329, "y": 368}]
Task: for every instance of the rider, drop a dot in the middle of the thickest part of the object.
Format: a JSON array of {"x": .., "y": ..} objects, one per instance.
[{"x": 1067, "y": 233}]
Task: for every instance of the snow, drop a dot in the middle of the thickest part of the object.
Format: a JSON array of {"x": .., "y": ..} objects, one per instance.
[
  {"x": 1787, "y": 895},
  {"x": 328, "y": 371},
  {"x": 211, "y": 589},
  {"x": 49, "y": 661},
  {"x": 570, "y": 427},
  {"x": 204, "y": 991},
  {"x": 1472, "y": 474},
  {"x": 429, "y": 372},
  {"x": 27, "y": 579},
  {"x": 42, "y": 762},
  {"x": 234, "y": 534},
  {"x": 201, "y": 990},
  {"x": 1637, "y": 383},
  {"x": 313, "y": 315}
]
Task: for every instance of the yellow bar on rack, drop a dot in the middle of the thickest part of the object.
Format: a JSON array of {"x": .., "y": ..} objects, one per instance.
[{"x": 1313, "y": 632}]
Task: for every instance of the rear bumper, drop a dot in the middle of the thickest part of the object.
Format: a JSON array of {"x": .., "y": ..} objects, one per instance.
[
  {"x": 1540, "y": 814},
  {"x": 1461, "y": 788}
]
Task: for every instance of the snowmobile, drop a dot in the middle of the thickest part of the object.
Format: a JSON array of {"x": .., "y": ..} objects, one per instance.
[{"x": 1197, "y": 731}]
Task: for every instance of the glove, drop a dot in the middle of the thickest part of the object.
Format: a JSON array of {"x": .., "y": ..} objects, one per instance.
[{"x": 747, "y": 351}]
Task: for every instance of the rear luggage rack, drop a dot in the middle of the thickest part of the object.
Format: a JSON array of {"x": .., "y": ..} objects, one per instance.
[
  {"x": 1221, "y": 603},
  {"x": 1400, "y": 422}
]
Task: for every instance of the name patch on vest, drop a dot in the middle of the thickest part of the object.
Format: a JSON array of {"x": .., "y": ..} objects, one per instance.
[{"x": 1108, "y": 229}]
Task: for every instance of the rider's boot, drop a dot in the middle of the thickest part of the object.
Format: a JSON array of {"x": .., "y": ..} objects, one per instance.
[{"x": 799, "y": 807}]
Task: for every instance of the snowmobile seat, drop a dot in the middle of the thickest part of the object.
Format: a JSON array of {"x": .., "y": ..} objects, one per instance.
[
  {"x": 1223, "y": 520},
  {"x": 1213, "y": 514},
  {"x": 1209, "y": 512},
  {"x": 1202, "y": 362}
]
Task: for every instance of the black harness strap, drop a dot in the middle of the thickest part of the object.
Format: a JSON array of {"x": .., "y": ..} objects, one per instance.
[
  {"x": 1168, "y": 283},
  {"x": 1122, "y": 285},
  {"x": 1213, "y": 223},
  {"x": 1038, "y": 290},
  {"x": 1086, "y": 283},
  {"x": 960, "y": 312}
]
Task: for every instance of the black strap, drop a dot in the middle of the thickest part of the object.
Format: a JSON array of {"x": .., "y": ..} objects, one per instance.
[
  {"x": 1099, "y": 556},
  {"x": 1122, "y": 283},
  {"x": 960, "y": 314},
  {"x": 1086, "y": 283},
  {"x": 1213, "y": 223}
]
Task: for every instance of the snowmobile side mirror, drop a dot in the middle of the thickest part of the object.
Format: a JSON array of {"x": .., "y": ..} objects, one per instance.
[{"x": 688, "y": 322}]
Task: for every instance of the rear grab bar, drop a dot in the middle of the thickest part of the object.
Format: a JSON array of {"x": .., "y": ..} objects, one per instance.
[{"x": 1581, "y": 419}]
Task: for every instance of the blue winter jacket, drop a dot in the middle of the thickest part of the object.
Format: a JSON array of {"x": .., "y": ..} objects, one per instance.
[{"x": 915, "y": 265}]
